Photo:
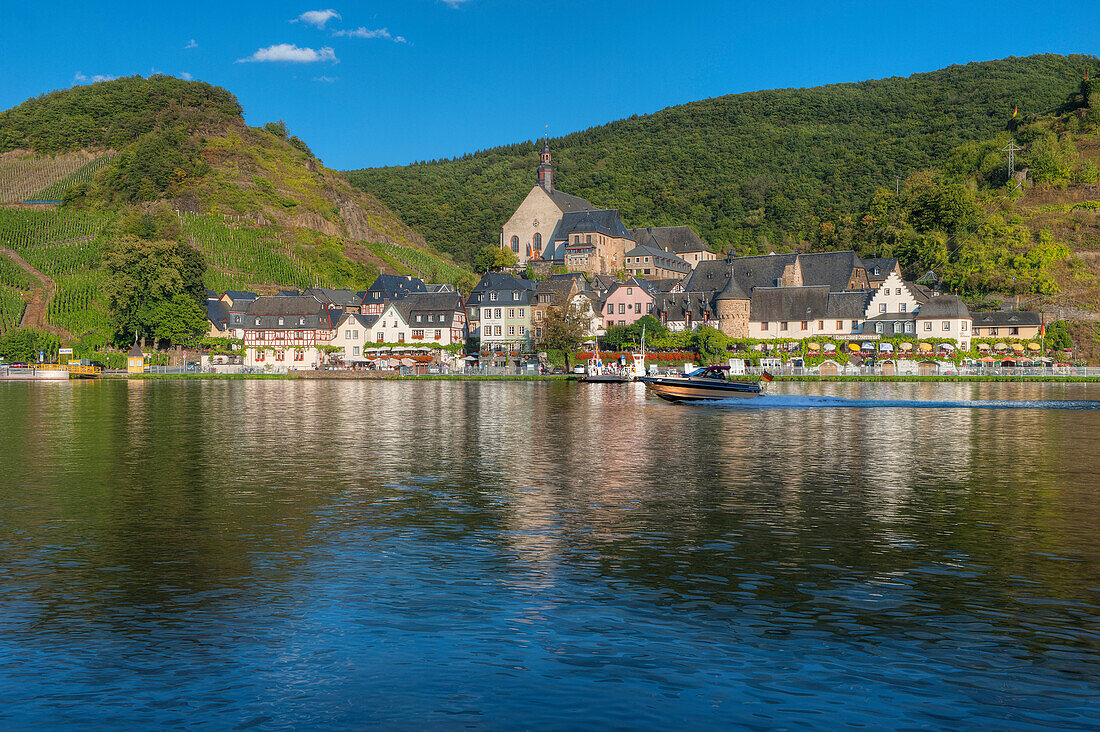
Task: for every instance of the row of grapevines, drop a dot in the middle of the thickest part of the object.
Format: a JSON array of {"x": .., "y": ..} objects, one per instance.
[
  {"x": 21, "y": 176},
  {"x": 56, "y": 191},
  {"x": 11, "y": 308},
  {"x": 79, "y": 305},
  {"x": 12, "y": 275},
  {"x": 426, "y": 266}
]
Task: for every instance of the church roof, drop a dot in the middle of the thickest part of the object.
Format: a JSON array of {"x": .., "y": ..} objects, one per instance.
[
  {"x": 602, "y": 221},
  {"x": 569, "y": 203}
]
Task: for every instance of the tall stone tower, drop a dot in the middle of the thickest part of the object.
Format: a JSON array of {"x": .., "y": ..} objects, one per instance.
[
  {"x": 546, "y": 171},
  {"x": 732, "y": 308}
]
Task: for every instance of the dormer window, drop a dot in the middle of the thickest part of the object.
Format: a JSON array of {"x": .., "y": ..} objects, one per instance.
[
  {"x": 301, "y": 321},
  {"x": 280, "y": 321},
  {"x": 515, "y": 295},
  {"x": 492, "y": 296},
  {"x": 257, "y": 321},
  {"x": 236, "y": 318},
  {"x": 418, "y": 317}
]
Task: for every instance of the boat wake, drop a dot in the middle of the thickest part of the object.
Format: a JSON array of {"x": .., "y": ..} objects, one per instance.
[{"x": 795, "y": 401}]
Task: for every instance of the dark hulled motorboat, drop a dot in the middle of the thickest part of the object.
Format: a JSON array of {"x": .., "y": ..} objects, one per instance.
[{"x": 702, "y": 384}]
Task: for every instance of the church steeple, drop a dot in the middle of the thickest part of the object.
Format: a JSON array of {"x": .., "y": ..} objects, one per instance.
[{"x": 546, "y": 171}]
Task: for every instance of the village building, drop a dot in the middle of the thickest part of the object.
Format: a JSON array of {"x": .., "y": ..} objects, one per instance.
[
  {"x": 628, "y": 301},
  {"x": 684, "y": 311},
  {"x": 434, "y": 318},
  {"x": 679, "y": 240},
  {"x": 499, "y": 312},
  {"x": 645, "y": 261},
  {"x": 1011, "y": 324},
  {"x": 386, "y": 288},
  {"x": 284, "y": 333},
  {"x": 353, "y": 336}
]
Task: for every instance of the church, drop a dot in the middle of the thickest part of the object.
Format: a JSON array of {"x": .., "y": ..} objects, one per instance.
[{"x": 554, "y": 228}]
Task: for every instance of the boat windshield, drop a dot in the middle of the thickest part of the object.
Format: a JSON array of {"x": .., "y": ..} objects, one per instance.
[{"x": 707, "y": 372}]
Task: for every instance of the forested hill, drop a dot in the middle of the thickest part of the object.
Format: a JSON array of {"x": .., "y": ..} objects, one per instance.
[{"x": 749, "y": 170}]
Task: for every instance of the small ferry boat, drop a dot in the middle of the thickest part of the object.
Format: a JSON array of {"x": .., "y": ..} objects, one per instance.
[
  {"x": 706, "y": 383},
  {"x": 31, "y": 373},
  {"x": 597, "y": 373}
]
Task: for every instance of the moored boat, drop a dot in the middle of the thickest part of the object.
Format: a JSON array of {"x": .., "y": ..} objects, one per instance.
[
  {"x": 703, "y": 384},
  {"x": 31, "y": 373}
]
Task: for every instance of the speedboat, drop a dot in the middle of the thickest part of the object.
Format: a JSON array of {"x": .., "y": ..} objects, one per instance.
[{"x": 706, "y": 383}]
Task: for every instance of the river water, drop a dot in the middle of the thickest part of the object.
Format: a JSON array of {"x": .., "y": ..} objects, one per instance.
[{"x": 297, "y": 554}]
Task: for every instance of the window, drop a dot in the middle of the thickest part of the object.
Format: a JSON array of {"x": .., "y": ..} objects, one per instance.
[
  {"x": 897, "y": 291},
  {"x": 909, "y": 327},
  {"x": 804, "y": 325},
  {"x": 538, "y": 316},
  {"x": 381, "y": 338},
  {"x": 649, "y": 307},
  {"x": 515, "y": 296},
  {"x": 638, "y": 308},
  {"x": 610, "y": 308},
  {"x": 882, "y": 307},
  {"x": 347, "y": 334},
  {"x": 1011, "y": 331},
  {"x": 947, "y": 325},
  {"x": 992, "y": 331},
  {"x": 878, "y": 327},
  {"x": 840, "y": 325},
  {"x": 647, "y": 260},
  {"x": 496, "y": 330},
  {"x": 536, "y": 242},
  {"x": 515, "y": 244},
  {"x": 418, "y": 317},
  {"x": 521, "y": 312},
  {"x": 492, "y": 296},
  {"x": 257, "y": 321},
  {"x": 928, "y": 325},
  {"x": 587, "y": 238},
  {"x": 522, "y": 330},
  {"x": 783, "y": 325},
  {"x": 301, "y": 321},
  {"x": 855, "y": 325},
  {"x": 622, "y": 322},
  {"x": 355, "y": 334},
  {"x": 418, "y": 334},
  {"x": 903, "y": 307},
  {"x": 511, "y": 330},
  {"x": 401, "y": 337},
  {"x": 236, "y": 318},
  {"x": 630, "y": 290},
  {"x": 609, "y": 324},
  {"x": 355, "y": 350},
  {"x": 821, "y": 325},
  {"x": 280, "y": 321},
  {"x": 496, "y": 312},
  {"x": 511, "y": 312},
  {"x": 486, "y": 313},
  {"x": 299, "y": 354},
  {"x": 438, "y": 334},
  {"x": 622, "y": 308},
  {"x": 764, "y": 325}
]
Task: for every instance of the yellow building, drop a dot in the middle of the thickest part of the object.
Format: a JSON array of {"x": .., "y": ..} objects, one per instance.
[{"x": 135, "y": 361}]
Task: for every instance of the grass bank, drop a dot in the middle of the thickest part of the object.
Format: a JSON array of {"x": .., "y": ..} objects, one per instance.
[{"x": 897, "y": 379}]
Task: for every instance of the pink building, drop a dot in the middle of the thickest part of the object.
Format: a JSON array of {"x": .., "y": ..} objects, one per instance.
[{"x": 628, "y": 301}]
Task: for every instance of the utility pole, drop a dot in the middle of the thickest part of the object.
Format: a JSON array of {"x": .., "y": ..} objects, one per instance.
[{"x": 1011, "y": 149}]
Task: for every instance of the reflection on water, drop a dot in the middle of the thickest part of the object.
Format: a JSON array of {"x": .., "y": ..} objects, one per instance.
[{"x": 450, "y": 554}]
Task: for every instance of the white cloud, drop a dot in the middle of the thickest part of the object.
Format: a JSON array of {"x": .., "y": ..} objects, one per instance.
[
  {"x": 317, "y": 18},
  {"x": 362, "y": 32},
  {"x": 80, "y": 78},
  {"x": 325, "y": 79},
  {"x": 192, "y": 44},
  {"x": 186, "y": 76},
  {"x": 289, "y": 53},
  {"x": 455, "y": 3}
]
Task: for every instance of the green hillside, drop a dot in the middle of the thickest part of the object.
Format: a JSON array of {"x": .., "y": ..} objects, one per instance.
[
  {"x": 748, "y": 171},
  {"x": 166, "y": 159}
]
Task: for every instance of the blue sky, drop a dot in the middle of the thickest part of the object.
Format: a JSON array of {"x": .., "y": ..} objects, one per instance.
[{"x": 394, "y": 81}]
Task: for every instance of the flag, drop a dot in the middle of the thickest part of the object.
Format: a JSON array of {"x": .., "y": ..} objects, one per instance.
[
  {"x": 1015, "y": 110},
  {"x": 765, "y": 376}
]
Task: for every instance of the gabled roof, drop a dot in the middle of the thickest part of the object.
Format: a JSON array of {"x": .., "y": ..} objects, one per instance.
[
  {"x": 944, "y": 306},
  {"x": 666, "y": 260},
  {"x": 602, "y": 221},
  {"x": 675, "y": 239},
  {"x": 848, "y": 305},
  {"x": 388, "y": 287},
  {"x": 566, "y": 202},
  {"x": 135, "y": 351},
  {"x": 365, "y": 321},
  {"x": 677, "y": 307},
  {"x": 635, "y": 282},
  {"x": 665, "y": 285},
  {"x": 217, "y": 312},
  {"x": 829, "y": 268},
  {"x": 885, "y": 266},
  {"x": 343, "y": 298},
  {"x": 789, "y": 303},
  {"x": 240, "y": 296},
  {"x": 286, "y": 305},
  {"x": 1006, "y": 318}
]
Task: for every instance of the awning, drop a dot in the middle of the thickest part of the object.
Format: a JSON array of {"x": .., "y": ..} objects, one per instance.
[
  {"x": 469, "y": 358},
  {"x": 925, "y": 346},
  {"x": 830, "y": 347},
  {"x": 868, "y": 346},
  {"x": 813, "y": 346},
  {"x": 987, "y": 359},
  {"x": 407, "y": 362},
  {"x": 983, "y": 346},
  {"x": 853, "y": 347},
  {"x": 1033, "y": 346},
  {"x": 383, "y": 349},
  {"x": 946, "y": 347},
  {"x": 1018, "y": 347},
  {"x": 887, "y": 347},
  {"x": 907, "y": 346},
  {"x": 1000, "y": 346}
]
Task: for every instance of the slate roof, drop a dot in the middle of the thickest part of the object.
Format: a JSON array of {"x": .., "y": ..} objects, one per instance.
[
  {"x": 732, "y": 291},
  {"x": 217, "y": 312},
  {"x": 660, "y": 257},
  {"x": 1006, "y": 319},
  {"x": 568, "y": 203},
  {"x": 558, "y": 289},
  {"x": 944, "y": 306},
  {"x": 848, "y": 305},
  {"x": 389, "y": 287},
  {"x": 135, "y": 351},
  {"x": 675, "y": 308},
  {"x": 675, "y": 239},
  {"x": 635, "y": 282},
  {"x": 441, "y": 306},
  {"x": 504, "y": 284},
  {"x": 885, "y": 266},
  {"x": 343, "y": 298},
  {"x": 364, "y": 321},
  {"x": 602, "y": 221},
  {"x": 296, "y": 312},
  {"x": 665, "y": 285},
  {"x": 829, "y": 268},
  {"x": 789, "y": 303},
  {"x": 239, "y": 296}
]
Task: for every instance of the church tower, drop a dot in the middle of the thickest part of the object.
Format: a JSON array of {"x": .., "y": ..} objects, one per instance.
[{"x": 546, "y": 172}]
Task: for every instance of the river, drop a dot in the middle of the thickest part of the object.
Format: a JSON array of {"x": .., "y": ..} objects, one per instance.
[{"x": 299, "y": 554}]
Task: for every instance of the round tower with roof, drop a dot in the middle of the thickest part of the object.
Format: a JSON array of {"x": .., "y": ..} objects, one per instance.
[
  {"x": 546, "y": 171},
  {"x": 732, "y": 308}
]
